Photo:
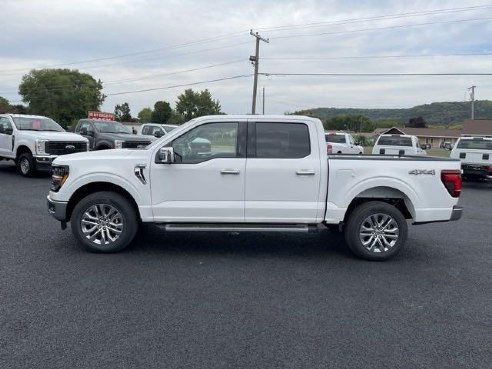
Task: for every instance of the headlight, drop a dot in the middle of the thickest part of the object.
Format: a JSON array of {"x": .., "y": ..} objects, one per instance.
[
  {"x": 58, "y": 178},
  {"x": 41, "y": 147},
  {"x": 118, "y": 144}
]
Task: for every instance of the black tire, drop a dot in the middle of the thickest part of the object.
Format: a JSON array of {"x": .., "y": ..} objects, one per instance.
[
  {"x": 385, "y": 231},
  {"x": 104, "y": 222},
  {"x": 26, "y": 164}
]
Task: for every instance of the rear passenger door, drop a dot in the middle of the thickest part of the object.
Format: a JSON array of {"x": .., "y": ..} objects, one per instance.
[{"x": 282, "y": 173}]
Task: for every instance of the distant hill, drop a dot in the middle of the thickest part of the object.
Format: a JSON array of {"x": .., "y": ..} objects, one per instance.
[{"x": 439, "y": 113}]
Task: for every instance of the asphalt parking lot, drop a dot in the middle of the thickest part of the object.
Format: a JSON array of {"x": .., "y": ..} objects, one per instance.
[{"x": 241, "y": 301}]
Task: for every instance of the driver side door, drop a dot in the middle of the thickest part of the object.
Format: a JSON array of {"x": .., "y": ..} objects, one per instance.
[
  {"x": 6, "y": 137},
  {"x": 206, "y": 181}
]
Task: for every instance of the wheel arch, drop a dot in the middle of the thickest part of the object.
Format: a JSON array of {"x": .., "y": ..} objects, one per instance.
[
  {"x": 389, "y": 195},
  {"x": 21, "y": 150},
  {"x": 91, "y": 188}
]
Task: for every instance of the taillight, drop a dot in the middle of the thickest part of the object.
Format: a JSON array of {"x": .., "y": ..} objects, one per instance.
[
  {"x": 329, "y": 148},
  {"x": 452, "y": 181}
]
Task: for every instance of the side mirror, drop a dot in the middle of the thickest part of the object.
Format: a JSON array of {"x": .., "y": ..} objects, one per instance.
[
  {"x": 2, "y": 130},
  {"x": 83, "y": 131},
  {"x": 9, "y": 131},
  {"x": 423, "y": 146},
  {"x": 165, "y": 155},
  {"x": 158, "y": 134}
]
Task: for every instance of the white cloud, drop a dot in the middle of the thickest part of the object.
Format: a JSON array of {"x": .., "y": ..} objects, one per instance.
[{"x": 185, "y": 35}]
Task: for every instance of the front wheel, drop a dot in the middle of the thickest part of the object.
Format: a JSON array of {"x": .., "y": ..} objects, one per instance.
[
  {"x": 376, "y": 231},
  {"x": 26, "y": 165},
  {"x": 104, "y": 222}
]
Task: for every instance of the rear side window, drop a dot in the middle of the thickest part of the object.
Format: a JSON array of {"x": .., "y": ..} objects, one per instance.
[
  {"x": 394, "y": 141},
  {"x": 282, "y": 140},
  {"x": 335, "y": 138},
  {"x": 476, "y": 144}
]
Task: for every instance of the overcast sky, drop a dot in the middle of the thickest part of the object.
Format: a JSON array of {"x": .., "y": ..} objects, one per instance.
[{"x": 167, "y": 46}]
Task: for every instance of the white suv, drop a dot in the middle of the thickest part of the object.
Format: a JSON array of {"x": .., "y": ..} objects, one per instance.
[{"x": 397, "y": 145}]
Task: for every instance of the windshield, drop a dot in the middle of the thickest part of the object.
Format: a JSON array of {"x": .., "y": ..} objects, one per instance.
[
  {"x": 110, "y": 127},
  {"x": 335, "y": 138},
  {"x": 36, "y": 124},
  {"x": 394, "y": 141},
  {"x": 168, "y": 128},
  {"x": 475, "y": 144}
]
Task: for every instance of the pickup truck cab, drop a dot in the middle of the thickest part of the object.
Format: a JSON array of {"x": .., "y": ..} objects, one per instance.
[
  {"x": 261, "y": 173},
  {"x": 475, "y": 154},
  {"x": 33, "y": 142},
  {"x": 155, "y": 129},
  {"x": 397, "y": 145},
  {"x": 108, "y": 134},
  {"x": 342, "y": 143}
]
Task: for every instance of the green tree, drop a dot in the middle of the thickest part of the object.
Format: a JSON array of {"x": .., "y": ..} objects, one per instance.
[
  {"x": 192, "y": 104},
  {"x": 355, "y": 123},
  {"x": 176, "y": 119},
  {"x": 61, "y": 94},
  {"x": 162, "y": 112},
  {"x": 4, "y": 105},
  {"x": 122, "y": 113},
  {"x": 145, "y": 115}
]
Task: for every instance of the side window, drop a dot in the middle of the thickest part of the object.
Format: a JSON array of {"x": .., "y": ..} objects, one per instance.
[
  {"x": 208, "y": 141},
  {"x": 85, "y": 125},
  {"x": 146, "y": 130},
  {"x": 282, "y": 140},
  {"x": 5, "y": 125}
]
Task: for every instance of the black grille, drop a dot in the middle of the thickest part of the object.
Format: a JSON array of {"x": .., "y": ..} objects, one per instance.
[
  {"x": 135, "y": 144},
  {"x": 64, "y": 147}
]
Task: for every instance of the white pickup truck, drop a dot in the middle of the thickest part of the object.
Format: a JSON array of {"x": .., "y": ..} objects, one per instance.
[
  {"x": 260, "y": 173},
  {"x": 397, "y": 145},
  {"x": 33, "y": 142},
  {"x": 475, "y": 154},
  {"x": 342, "y": 143}
]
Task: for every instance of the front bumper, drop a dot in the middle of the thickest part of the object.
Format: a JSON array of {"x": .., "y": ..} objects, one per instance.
[
  {"x": 44, "y": 162},
  {"x": 57, "y": 209},
  {"x": 477, "y": 171}
]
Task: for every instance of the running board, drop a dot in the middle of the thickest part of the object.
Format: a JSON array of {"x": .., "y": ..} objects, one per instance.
[{"x": 180, "y": 227}]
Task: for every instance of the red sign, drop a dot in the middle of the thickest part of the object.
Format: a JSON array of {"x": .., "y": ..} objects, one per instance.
[{"x": 100, "y": 115}]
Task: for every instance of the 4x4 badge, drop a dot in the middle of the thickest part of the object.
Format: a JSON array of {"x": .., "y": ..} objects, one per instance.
[{"x": 417, "y": 172}]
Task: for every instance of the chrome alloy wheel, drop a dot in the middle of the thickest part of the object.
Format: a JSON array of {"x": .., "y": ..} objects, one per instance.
[
  {"x": 25, "y": 166},
  {"x": 102, "y": 224},
  {"x": 379, "y": 232}
]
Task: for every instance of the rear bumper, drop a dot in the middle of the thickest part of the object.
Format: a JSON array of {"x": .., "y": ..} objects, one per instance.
[
  {"x": 456, "y": 213},
  {"x": 57, "y": 209}
]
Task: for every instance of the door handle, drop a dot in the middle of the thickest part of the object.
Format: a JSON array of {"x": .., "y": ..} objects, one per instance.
[
  {"x": 304, "y": 172},
  {"x": 230, "y": 171}
]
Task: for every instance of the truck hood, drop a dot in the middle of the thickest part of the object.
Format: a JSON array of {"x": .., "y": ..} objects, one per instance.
[
  {"x": 127, "y": 137},
  {"x": 110, "y": 156},
  {"x": 53, "y": 136}
]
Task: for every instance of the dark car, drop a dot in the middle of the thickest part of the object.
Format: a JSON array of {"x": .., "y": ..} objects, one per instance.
[{"x": 108, "y": 134}]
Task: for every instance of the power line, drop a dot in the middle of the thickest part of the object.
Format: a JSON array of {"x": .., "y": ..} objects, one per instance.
[
  {"x": 370, "y": 74},
  {"x": 381, "y": 56},
  {"x": 181, "y": 85}
]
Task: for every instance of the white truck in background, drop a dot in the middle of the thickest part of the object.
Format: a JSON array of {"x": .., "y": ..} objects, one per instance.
[
  {"x": 33, "y": 142},
  {"x": 397, "y": 145},
  {"x": 342, "y": 143},
  {"x": 260, "y": 173},
  {"x": 475, "y": 154}
]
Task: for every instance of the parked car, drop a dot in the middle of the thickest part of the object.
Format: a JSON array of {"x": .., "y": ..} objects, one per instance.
[
  {"x": 342, "y": 143},
  {"x": 446, "y": 145},
  {"x": 34, "y": 141},
  {"x": 108, "y": 134},
  {"x": 267, "y": 173},
  {"x": 155, "y": 129},
  {"x": 475, "y": 154},
  {"x": 397, "y": 145}
]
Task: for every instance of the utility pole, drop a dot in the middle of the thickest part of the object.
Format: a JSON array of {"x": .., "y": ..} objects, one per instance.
[
  {"x": 255, "y": 59},
  {"x": 263, "y": 100},
  {"x": 472, "y": 97}
]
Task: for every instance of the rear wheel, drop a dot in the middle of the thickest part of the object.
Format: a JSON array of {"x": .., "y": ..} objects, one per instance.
[
  {"x": 376, "y": 231},
  {"x": 26, "y": 165},
  {"x": 104, "y": 222}
]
